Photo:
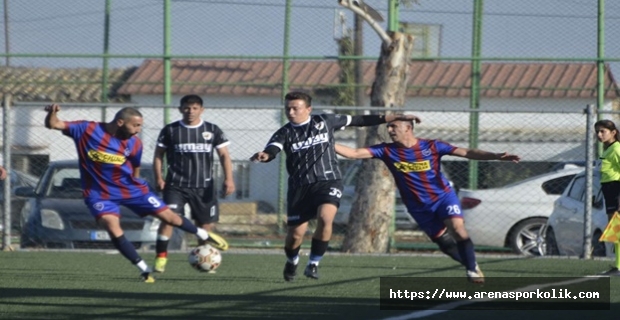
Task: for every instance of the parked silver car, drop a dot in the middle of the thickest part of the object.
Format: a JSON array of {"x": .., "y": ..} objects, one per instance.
[
  {"x": 513, "y": 216},
  {"x": 565, "y": 228}
]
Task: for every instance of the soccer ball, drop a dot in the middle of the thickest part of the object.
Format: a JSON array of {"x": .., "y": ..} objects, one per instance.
[{"x": 205, "y": 258}]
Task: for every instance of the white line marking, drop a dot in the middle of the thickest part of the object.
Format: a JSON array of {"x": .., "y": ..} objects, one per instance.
[{"x": 453, "y": 305}]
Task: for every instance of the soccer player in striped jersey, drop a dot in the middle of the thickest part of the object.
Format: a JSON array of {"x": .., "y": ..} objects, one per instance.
[
  {"x": 427, "y": 194},
  {"x": 109, "y": 157},
  {"x": 315, "y": 181},
  {"x": 189, "y": 146}
]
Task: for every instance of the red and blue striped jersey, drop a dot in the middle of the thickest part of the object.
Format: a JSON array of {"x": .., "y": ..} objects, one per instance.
[
  {"x": 106, "y": 163},
  {"x": 416, "y": 170}
]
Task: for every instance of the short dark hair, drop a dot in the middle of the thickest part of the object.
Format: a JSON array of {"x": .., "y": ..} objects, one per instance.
[
  {"x": 127, "y": 113},
  {"x": 297, "y": 95},
  {"x": 191, "y": 99},
  {"x": 409, "y": 122},
  {"x": 609, "y": 125}
]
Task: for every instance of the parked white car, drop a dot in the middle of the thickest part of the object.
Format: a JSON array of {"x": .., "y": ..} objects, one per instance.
[
  {"x": 513, "y": 216},
  {"x": 564, "y": 229}
]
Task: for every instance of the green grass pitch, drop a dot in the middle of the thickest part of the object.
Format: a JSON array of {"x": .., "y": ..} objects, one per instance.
[{"x": 249, "y": 285}]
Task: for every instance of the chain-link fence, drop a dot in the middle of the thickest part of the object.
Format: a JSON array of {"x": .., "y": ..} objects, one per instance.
[
  {"x": 508, "y": 209},
  {"x": 542, "y": 62}
]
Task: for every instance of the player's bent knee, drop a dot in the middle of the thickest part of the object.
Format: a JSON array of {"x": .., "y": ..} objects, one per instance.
[
  {"x": 461, "y": 234},
  {"x": 445, "y": 242}
]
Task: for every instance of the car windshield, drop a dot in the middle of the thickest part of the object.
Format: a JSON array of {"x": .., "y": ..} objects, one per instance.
[
  {"x": 67, "y": 184},
  {"x": 18, "y": 180}
]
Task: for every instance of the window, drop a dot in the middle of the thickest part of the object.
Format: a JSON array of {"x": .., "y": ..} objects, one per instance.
[
  {"x": 556, "y": 186},
  {"x": 599, "y": 202},
  {"x": 577, "y": 188}
]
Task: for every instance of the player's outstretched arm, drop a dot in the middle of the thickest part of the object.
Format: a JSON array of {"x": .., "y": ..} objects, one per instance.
[
  {"x": 373, "y": 119},
  {"x": 477, "y": 154},
  {"x": 266, "y": 155},
  {"x": 360, "y": 153},
  {"x": 260, "y": 157},
  {"x": 51, "y": 120},
  {"x": 402, "y": 117}
]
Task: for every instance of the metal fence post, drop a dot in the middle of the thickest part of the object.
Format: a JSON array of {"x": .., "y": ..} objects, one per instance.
[
  {"x": 587, "y": 219},
  {"x": 6, "y": 151}
]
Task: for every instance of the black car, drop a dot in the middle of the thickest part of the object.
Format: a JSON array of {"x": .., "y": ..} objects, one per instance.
[{"x": 57, "y": 217}]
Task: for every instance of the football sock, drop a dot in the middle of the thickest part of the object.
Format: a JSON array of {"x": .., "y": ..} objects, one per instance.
[
  {"x": 292, "y": 255},
  {"x": 161, "y": 246},
  {"x": 466, "y": 251},
  {"x": 189, "y": 227},
  {"x": 201, "y": 233},
  {"x": 317, "y": 251},
  {"x": 142, "y": 266},
  {"x": 126, "y": 249},
  {"x": 617, "y": 247}
]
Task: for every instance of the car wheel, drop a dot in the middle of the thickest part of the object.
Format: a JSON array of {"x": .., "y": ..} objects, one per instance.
[
  {"x": 551, "y": 244},
  {"x": 598, "y": 247},
  {"x": 527, "y": 237}
]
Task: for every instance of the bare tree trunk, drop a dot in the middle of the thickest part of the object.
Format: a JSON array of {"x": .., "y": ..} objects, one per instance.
[{"x": 371, "y": 213}]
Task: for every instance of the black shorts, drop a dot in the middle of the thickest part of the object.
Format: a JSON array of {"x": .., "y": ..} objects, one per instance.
[
  {"x": 202, "y": 202},
  {"x": 611, "y": 191},
  {"x": 303, "y": 201}
]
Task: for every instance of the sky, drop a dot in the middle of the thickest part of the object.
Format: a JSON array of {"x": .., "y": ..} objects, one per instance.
[{"x": 525, "y": 28}]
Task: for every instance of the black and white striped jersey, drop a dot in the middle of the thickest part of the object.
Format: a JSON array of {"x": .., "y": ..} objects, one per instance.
[
  {"x": 189, "y": 152},
  {"x": 309, "y": 148}
]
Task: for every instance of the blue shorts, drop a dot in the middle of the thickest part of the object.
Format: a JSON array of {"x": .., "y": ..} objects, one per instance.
[
  {"x": 431, "y": 217},
  {"x": 148, "y": 204}
]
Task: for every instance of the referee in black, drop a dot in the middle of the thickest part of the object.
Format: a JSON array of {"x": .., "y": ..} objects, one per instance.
[
  {"x": 314, "y": 183},
  {"x": 189, "y": 145}
]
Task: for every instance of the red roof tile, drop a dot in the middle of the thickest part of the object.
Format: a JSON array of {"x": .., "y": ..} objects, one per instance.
[{"x": 427, "y": 79}]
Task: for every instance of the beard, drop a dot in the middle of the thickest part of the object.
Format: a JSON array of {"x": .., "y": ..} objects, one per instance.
[{"x": 123, "y": 133}]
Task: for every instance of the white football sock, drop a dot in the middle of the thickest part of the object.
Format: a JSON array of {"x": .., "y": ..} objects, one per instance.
[
  {"x": 294, "y": 261},
  {"x": 143, "y": 266},
  {"x": 202, "y": 234}
]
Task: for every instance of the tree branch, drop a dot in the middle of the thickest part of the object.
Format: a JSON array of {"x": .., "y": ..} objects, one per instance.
[{"x": 387, "y": 41}]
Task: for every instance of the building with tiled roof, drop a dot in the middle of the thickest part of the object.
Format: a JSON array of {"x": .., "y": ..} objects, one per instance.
[
  {"x": 251, "y": 78},
  {"x": 29, "y": 84}
]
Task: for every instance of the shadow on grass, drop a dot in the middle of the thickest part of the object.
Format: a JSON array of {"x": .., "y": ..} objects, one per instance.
[{"x": 20, "y": 303}]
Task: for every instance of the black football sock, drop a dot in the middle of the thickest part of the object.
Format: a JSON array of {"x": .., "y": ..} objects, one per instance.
[
  {"x": 292, "y": 255},
  {"x": 126, "y": 249},
  {"x": 317, "y": 250}
]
